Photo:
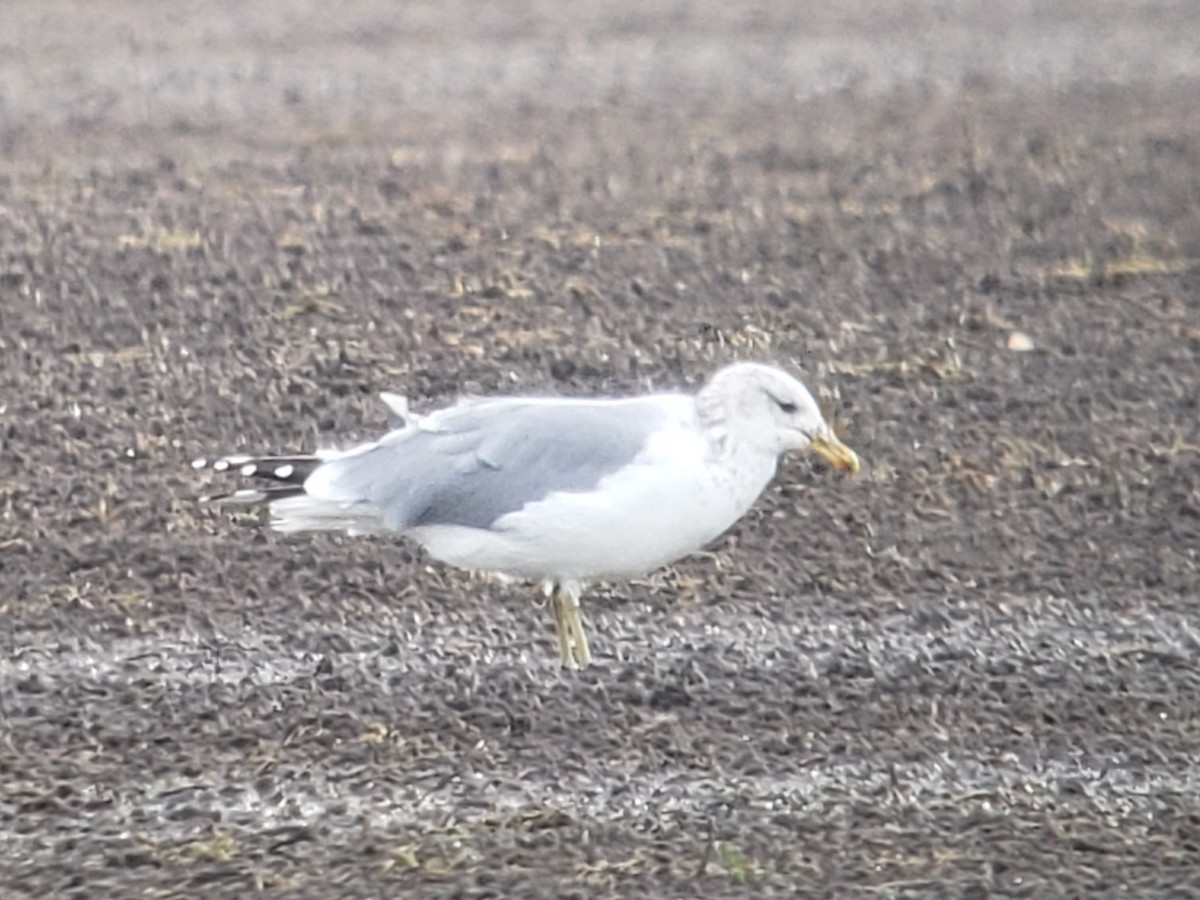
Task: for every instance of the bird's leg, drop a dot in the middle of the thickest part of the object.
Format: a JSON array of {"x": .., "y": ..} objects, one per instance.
[
  {"x": 574, "y": 617},
  {"x": 568, "y": 627},
  {"x": 561, "y": 631}
]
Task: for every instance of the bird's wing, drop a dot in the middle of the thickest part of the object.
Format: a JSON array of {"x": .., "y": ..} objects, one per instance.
[{"x": 481, "y": 459}]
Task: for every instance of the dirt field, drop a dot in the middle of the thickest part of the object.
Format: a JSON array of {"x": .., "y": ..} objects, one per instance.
[{"x": 972, "y": 672}]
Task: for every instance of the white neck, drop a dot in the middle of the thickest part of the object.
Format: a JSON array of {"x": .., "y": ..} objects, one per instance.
[{"x": 750, "y": 465}]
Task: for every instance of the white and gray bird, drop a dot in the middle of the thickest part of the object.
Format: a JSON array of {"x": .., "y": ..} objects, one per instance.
[{"x": 557, "y": 490}]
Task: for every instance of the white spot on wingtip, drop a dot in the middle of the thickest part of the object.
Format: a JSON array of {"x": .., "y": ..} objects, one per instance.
[
  {"x": 199, "y": 462},
  {"x": 248, "y": 469},
  {"x": 285, "y": 471},
  {"x": 220, "y": 465}
]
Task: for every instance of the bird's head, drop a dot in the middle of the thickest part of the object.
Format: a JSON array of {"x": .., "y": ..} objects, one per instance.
[{"x": 768, "y": 408}]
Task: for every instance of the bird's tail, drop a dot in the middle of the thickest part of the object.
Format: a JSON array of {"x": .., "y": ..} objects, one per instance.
[{"x": 279, "y": 481}]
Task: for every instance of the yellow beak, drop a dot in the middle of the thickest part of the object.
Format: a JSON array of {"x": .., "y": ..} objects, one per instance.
[{"x": 834, "y": 452}]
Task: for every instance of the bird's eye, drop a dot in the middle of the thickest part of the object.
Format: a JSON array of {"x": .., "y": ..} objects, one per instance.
[{"x": 786, "y": 406}]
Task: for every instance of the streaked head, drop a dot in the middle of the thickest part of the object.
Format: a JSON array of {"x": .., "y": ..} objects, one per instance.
[{"x": 766, "y": 406}]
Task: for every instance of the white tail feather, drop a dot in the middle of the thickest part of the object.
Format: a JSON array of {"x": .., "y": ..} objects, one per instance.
[{"x": 307, "y": 513}]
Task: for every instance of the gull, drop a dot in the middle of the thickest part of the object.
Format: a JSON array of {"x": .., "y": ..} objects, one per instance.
[{"x": 561, "y": 491}]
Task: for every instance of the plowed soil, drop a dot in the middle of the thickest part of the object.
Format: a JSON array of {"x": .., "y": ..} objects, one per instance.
[{"x": 973, "y": 671}]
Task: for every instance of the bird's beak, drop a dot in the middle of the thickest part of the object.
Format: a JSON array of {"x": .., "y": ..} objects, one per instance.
[{"x": 834, "y": 452}]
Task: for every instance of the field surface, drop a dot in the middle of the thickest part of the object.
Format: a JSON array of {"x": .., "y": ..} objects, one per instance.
[{"x": 971, "y": 672}]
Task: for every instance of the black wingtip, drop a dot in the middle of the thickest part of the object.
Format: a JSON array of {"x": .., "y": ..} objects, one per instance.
[{"x": 276, "y": 477}]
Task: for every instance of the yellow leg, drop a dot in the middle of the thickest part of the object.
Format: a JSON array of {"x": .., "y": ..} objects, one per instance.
[
  {"x": 568, "y": 628},
  {"x": 583, "y": 655},
  {"x": 561, "y": 630}
]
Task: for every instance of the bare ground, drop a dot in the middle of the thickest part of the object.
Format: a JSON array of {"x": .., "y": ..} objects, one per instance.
[{"x": 972, "y": 672}]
